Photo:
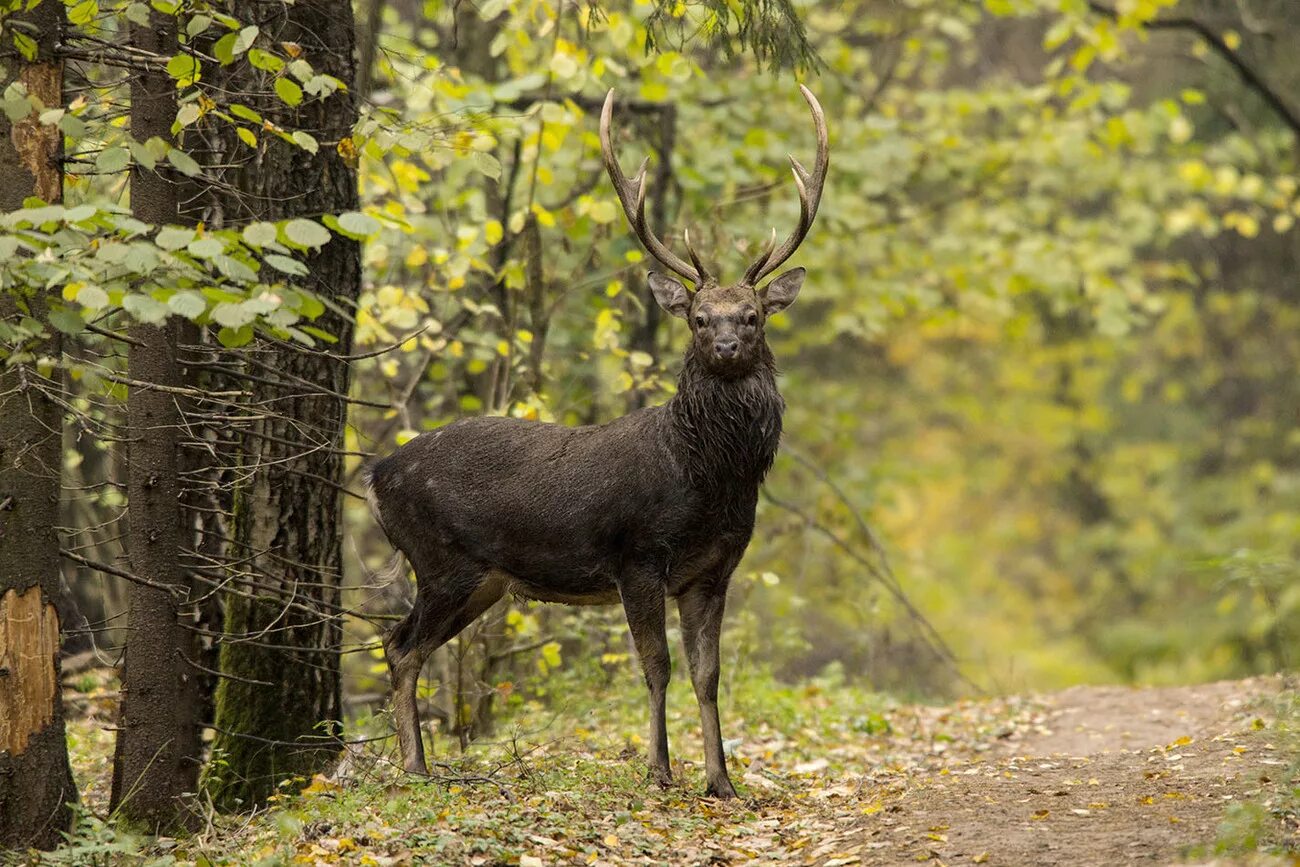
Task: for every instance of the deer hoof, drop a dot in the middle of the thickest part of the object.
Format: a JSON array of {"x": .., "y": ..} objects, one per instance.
[
  {"x": 662, "y": 776},
  {"x": 721, "y": 789}
]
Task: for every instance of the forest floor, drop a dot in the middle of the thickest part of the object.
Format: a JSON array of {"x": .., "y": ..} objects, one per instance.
[{"x": 1088, "y": 776}]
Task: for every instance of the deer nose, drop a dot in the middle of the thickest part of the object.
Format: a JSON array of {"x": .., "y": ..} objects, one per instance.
[{"x": 726, "y": 347}]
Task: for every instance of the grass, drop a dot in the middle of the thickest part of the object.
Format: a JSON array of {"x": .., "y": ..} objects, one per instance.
[
  {"x": 564, "y": 781},
  {"x": 1270, "y": 821}
]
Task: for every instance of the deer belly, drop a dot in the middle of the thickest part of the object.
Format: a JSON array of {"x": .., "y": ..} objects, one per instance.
[{"x": 597, "y": 592}]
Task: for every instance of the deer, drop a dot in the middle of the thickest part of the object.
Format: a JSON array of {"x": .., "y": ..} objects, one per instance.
[{"x": 654, "y": 506}]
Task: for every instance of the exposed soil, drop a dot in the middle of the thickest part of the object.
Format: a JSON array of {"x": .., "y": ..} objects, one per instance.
[{"x": 1102, "y": 775}]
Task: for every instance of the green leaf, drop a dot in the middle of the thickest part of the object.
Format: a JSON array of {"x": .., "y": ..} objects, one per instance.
[
  {"x": 265, "y": 60},
  {"x": 487, "y": 165},
  {"x": 138, "y": 13},
  {"x": 17, "y": 104},
  {"x": 197, "y": 24},
  {"x": 92, "y": 297},
  {"x": 306, "y": 141},
  {"x": 310, "y": 306},
  {"x": 112, "y": 160},
  {"x": 319, "y": 333},
  {"x": 245, "y": 39},
  {"x": 8, "y": 247},
  {"x": 232, "y": 338},
  {"x": 224, "y": 49},
  {"x": 83, "y": 13},
  {"x": 144, "y": 157},
  {"x": 306, "y": 233},
  {"x": 26, "y": 46},
  {"x": 174, "y": 237},
  {"x": 234, "y": 269},
  {"x": 206, "y": 248},
  {"x": 358, "y": 224},
  {"x": 67, "y": 321},
  {"x": 188, "y": 304},
  {"x": 247, "y": 136},
  {"x": 288, "y": 91},
  {"x": 184, "y": 163},
  {"x": 184, "y": 68},
  {"x": 145, "y": 308},
  {"x": 286, "y": 264},
  {"x": 243, "y": 112},
  {"x": 260, "y": 234},
  {"x": 232, "y": 315},
  {"x": 188, "y": 113},
  {"x": 72, "y": 126}
]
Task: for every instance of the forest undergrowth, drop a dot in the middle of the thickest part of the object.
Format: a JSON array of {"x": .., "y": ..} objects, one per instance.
[{"x": 829, "y": 775}]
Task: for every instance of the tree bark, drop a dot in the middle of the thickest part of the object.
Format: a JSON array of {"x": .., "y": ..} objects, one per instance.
[
  {"x": 278, "y": 708},
  {"x": 156, "y": 761},
  {"x": 36, "y": 783}
]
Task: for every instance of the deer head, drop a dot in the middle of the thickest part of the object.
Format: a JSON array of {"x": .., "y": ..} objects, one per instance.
[{"x": 726, "y": 321}]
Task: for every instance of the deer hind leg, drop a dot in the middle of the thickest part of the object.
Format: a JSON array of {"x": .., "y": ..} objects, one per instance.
[{"x": 446, "y": 602}]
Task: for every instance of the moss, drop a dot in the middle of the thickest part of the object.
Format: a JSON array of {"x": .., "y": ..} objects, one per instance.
[{"x": 268, "y": 734}]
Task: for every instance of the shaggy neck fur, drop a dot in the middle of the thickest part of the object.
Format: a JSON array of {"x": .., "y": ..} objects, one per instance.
[{"x": 728, "y": 430}]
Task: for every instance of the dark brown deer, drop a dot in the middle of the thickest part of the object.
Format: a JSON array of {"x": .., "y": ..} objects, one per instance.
[{"x": 656, "y": 505}]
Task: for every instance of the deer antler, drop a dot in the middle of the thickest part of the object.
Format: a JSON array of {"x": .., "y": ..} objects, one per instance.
[
  {"x": 632, "y": 195},
  {"x": 810, "y": 196}
]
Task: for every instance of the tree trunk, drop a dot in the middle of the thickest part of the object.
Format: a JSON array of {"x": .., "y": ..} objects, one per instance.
[
  {"x": 36, "y": 783},
  {"x": 156, "y": 761},
  {"x": 278, "y": 706}
]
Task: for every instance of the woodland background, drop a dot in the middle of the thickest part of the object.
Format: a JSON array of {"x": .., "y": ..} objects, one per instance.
[{"x": 1044, "y": 419}]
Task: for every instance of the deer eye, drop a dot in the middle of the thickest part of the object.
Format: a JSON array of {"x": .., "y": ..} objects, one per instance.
[
  {"x": 751, "y": 318},
  {"x": 701, "y": 320}
]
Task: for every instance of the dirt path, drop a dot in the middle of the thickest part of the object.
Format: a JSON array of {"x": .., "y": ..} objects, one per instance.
[{"x": 1101, "y": 775}]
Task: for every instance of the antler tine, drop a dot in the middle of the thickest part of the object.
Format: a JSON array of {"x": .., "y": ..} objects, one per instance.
[
  {"x": 809, "y": 186},
  {"x": 631, "y": 194},
  {"x": 752, "y": 275},
  {"x": 705, "y": 276}
]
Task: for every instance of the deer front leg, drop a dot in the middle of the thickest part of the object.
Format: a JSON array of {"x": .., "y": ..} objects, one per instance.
[
  {"x": 701, "y": 608},
  {"x": 643, "y": 603}
]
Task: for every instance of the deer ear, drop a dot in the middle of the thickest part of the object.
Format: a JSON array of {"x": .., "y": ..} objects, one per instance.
[
  {"x": 781, "y": 292},
  {"x": 671, "y": 294}
]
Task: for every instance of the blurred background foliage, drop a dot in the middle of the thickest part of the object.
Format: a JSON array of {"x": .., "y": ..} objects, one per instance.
[{"x": 1047, "y": 350}]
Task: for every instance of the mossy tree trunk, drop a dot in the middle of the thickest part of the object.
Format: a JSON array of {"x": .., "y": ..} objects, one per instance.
[
  {"x": 156, "y": 761},
  {"x": 278, "y": 707},
  {"x": 36, "y": 783}
]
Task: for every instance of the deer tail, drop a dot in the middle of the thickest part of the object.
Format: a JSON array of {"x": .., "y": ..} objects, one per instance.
[{"x": 393, "y": 573}]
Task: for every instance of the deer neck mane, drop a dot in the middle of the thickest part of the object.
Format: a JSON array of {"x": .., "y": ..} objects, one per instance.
[{"x": 728, "y": 430}]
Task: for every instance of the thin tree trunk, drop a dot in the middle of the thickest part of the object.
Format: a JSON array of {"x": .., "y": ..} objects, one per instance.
[
  {"x": 36, "y": 783},
  {"x": 156, "y": 760},
  {"x": 278, "y": 711}
]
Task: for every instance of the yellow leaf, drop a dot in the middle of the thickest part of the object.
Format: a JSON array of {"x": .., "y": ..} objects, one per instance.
[
  {"x": 612, "y": 841},
  {"x": 493, "y": 232},
  {"x": 320, "y": 784}
]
